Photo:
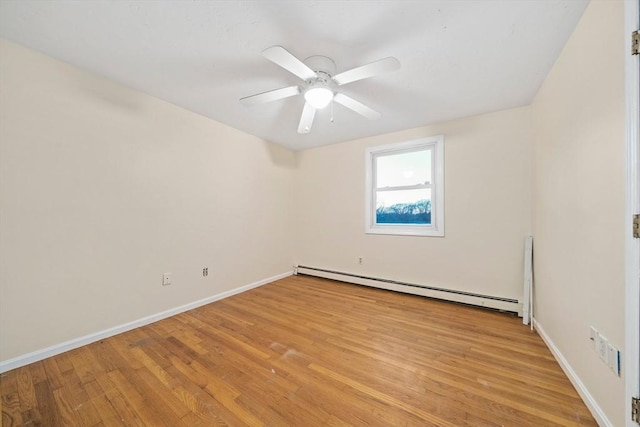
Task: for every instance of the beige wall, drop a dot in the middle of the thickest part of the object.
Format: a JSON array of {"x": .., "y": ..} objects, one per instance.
[
  {"x": 578, "y": 120},
  {"x": 487, "y": 209},
  {"x": 103, "y": 189}
]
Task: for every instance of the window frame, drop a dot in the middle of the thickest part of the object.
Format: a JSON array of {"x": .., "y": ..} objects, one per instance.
[{"x": 436, "y": 228}]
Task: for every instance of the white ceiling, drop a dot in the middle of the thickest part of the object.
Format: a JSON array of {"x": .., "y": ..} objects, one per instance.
[{"x": 458, "y": 58}]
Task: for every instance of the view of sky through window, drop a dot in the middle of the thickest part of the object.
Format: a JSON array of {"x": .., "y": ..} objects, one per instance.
[
  {"x": 399, "y": 170},
  {"x": 403, "y": 169}
]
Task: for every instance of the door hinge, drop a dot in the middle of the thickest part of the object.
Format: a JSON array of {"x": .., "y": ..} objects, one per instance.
[
  {"x": 636, "y": 226},
  {"x": 635, "y": 409},
  {"x": 635, "y": 43}
]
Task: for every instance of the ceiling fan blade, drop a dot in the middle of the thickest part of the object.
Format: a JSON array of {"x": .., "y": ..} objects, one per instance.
[
  {"x": 272, "y": 95},
  {"x": 356, "y": 106},
  {"x": 366, "y": 71},
  {"x": 284, "y": 58},
  {"x": 306, "y": 120}
]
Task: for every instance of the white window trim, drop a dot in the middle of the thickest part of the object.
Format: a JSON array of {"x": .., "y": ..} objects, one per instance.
[{"x": 436, "y": 228}]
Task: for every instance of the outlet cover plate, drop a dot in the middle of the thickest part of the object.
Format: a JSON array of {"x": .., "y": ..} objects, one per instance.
[
  {"x": 614, "y": 359},
  {"x": 166, "y": 279},
  {"x": 602, "y": 348}
]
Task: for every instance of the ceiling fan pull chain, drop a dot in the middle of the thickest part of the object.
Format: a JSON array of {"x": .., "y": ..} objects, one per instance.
[{"x": 331, "y": 119}]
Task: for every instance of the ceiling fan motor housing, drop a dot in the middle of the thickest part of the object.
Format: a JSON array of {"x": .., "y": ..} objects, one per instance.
[{"x": 321, "y": 64}]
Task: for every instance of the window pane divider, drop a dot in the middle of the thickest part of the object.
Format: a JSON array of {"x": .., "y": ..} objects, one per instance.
[{"x": 404, "y": 187}]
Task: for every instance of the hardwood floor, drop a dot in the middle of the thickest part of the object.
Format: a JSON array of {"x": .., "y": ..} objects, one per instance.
[{"x": 304, "y": 352}]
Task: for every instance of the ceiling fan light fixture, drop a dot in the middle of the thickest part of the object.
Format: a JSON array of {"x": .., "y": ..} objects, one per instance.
[
  {"x": 320, "y": 87},
  {"x": 318, "y": 95}
]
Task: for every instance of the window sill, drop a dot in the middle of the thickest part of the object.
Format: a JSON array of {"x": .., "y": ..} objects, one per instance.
[{"x": 402, "y": 230}]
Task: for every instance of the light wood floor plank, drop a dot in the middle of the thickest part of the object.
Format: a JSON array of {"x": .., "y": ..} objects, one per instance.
[{"x": 305, "y": 352}]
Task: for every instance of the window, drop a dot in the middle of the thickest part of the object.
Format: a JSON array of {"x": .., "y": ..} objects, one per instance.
[{"x": 405, "y": 188}]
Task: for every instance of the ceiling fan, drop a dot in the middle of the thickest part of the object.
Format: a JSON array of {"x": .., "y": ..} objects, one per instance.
[{"x": 320, "y": 83}]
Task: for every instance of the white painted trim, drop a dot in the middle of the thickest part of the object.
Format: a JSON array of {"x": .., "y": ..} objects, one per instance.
[
  {"x": 436, "y": 229},
  {"x": 527, "y": 310},
  {"x": 479, "y": 301},
  {"x": 44, "y": 353},
  {"x": 632, "y": 198},
  {"x": 588, "y": 399}
]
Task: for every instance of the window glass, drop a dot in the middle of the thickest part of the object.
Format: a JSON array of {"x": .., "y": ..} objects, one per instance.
[
  {"x": 405, "y": 188},
  {"x": 410, "y": 168},
  {"x": 404, "y": 207}
]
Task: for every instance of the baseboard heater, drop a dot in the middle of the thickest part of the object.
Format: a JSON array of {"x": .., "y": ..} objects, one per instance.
[{"x": 490, "y": 301}]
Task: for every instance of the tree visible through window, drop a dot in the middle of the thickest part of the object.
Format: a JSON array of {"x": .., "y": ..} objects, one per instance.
[{"x": 405, "y": 188}]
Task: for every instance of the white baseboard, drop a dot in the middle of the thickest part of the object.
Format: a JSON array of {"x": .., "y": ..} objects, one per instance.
[
  {"x": 588, "y": 399},
  {"x": 44, "y": 353}
]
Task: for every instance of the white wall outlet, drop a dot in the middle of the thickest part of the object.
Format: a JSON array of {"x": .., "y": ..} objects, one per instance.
[
  {"x": 166, "y": 279},
  {"x": 602, "y": 348},
  {"x": 593, "y": 335},
  {"x": 360, "y": 259},
  {"x": 614, "y": 359},
  {"x": 205, "y": 272}
]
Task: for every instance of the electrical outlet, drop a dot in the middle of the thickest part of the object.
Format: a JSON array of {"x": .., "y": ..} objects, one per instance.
[
  {"x": 360, "y": 260},
  {"x": 205, "y": 272},
  {"x": 602, "y": 348},
  {"x": 610, "y": 355},
  {"x": 166, "y": 279},
  {"x": 593, "y": 335},
  {"x": 607, "y": 352}
]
